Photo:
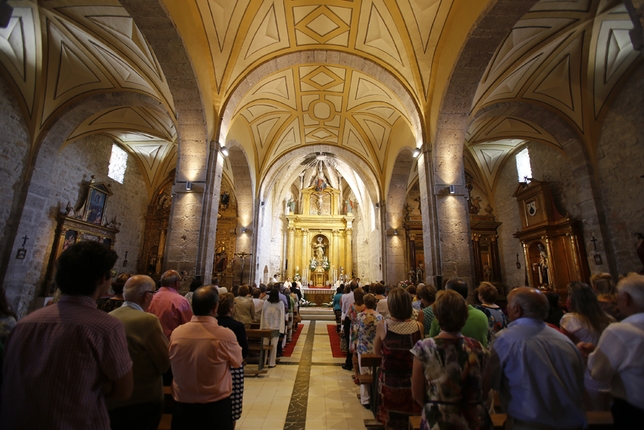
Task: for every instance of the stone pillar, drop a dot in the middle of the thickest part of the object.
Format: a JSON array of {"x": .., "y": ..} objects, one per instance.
[
  {"x": 349, "y": 257},
  {"x": 335, "y": 250},
  {"x": 298, "y": 255},
  {"x": 290, "y": 272},
  {"x": 431, "y": 244}
]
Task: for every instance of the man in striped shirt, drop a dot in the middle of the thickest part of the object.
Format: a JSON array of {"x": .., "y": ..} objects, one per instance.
[{"x": 65, "y": 360}]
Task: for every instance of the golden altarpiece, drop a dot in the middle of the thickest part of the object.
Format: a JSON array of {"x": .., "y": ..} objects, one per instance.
[
  {"x": 319, "y": 238},
  {"x": 553, "y": 248}
]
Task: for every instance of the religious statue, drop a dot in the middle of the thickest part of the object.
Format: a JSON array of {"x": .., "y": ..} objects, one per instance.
[
  {"x": 475, "y": 205},
  {"x": 320, "y": 180},
  {"x": 420, "y": 272},
  {"x": 290, "y": 205},
  {"x": 543, "y": 267},
  {"x": 487, "y": 272},
  {"x": 319, "y": 250}
]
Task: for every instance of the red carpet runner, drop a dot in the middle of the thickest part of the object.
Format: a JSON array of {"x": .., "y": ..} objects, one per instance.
[
  {"x": 334, "y": 340},
  {"x": 288, "y": 350}
]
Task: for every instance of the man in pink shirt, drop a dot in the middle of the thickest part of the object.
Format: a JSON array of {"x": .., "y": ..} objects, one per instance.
[
  {"x": 168, "y": 305},
  {"x": 201, "y": 355}
]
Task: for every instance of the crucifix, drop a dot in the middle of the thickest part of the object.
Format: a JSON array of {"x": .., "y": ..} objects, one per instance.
[
  {"x": 243, "y": 256},
  {"x": 25, "y": 238}
]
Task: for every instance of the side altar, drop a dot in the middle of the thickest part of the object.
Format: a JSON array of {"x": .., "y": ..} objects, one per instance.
[{"x": 319, "y": 238}]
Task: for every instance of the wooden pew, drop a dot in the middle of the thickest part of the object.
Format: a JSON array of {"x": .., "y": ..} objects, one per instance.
[
  {"x": 371, "y": 361},
  {"x": 498, "y": 420},
  {"x": 255, "y": 339}
]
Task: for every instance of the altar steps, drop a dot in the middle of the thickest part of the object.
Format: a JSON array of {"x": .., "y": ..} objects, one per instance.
[{"x": 317, "y": 313}]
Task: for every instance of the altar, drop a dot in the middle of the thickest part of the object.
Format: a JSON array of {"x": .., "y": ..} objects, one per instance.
[
  {"x": 318, "y": 295},
  {"x": 319, "y": 233}
]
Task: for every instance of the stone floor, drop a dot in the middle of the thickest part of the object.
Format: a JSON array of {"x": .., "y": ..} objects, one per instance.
[{"x": 308, "y": 390}]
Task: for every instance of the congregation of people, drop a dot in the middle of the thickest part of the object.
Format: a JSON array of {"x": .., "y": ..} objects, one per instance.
[{"x": 93, "y": 360}]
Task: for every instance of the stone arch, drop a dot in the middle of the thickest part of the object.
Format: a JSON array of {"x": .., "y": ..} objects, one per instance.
[
  {"x": 192, "y": 224},
  {"x": 28, "y": 208},
  {"x": 247, "y": 226},
  {"x": 591, "y": 205},
  {"x": 271, "y": 176},
  {"x": 451, "y": 238},
  {"x": 394, "y": 252},
  {"x": 328, "y": 57}
]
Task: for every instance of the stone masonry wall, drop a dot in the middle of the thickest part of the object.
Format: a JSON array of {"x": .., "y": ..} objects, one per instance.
[
  {"x": 90, "y": 156},
  {"x": 14, "y": 148},
  {"x": 620, "y": 167},
  {"x": 548, "y": 164}
]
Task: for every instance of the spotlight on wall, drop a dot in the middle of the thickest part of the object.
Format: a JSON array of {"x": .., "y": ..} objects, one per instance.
[
  {"x": 224, "y": 150},
  {"x": 395, "y": 232},
  {"x": 188, "y": 186},
  {"x": 416, "y": 153},
  {"x": 452, "y": 189},
  {"x": 243, "y": 230}
]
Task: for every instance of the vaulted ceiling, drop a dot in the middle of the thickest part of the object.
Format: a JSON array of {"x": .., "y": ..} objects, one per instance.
[{"x": 369, "y": 80}]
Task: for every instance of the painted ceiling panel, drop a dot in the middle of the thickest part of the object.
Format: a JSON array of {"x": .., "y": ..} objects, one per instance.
[
  {"x": 71, "y": 70},
  {"x": 614, "y": 54}
]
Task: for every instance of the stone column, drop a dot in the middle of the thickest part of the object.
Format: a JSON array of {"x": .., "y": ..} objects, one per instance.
[
  {"x": 431, "y": 243},
  {"x": 290, "y": 245},
  {"x": 348, "y": 247},
  {"x": 298, "y": 255},
  {"x": 335, "y": 250}
]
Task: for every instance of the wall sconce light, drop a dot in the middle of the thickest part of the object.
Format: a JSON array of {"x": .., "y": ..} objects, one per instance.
[
  {"x": 243, "y": 230},
  {"x": 262, "y": 203},
  {"x": 395, "y": 232},
  {"x": 188, "y": 186},
  {"x": 224, "y": 150},
  {"x": 377, "y": 205},
  {"x": 452, "y": 189},
  {"x": 416, "y": 153}
]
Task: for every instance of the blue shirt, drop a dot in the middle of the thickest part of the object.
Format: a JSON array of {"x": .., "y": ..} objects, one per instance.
[
  {"x": 539, "y": 373},
  {"x": 337, "y": 304}
]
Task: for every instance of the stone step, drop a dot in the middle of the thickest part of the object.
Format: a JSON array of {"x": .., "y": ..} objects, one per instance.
[{"x": 317, "y": 313}]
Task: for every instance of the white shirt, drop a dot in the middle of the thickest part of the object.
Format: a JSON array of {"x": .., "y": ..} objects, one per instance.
[
  {"x": 347, "y": 300},
  {"x": 382, "y": 307},
  {"x": 618, "y": 359}
]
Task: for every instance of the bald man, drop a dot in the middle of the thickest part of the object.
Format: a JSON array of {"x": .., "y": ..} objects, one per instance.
[
  {"x": 538, "y": 371},
  {"x": 168, "y": 305},
  {"x": 148, "y": 349}
]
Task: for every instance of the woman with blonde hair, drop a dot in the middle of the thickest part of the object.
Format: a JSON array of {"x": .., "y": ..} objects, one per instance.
[
  {"x": 394, "y": 339},
  {"x": 604, "y": 287}
]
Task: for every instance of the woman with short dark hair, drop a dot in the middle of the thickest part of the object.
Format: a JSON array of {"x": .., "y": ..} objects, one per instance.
[
  {"x": 448, "y": 371},
  {"x": 394, "y": 339}
]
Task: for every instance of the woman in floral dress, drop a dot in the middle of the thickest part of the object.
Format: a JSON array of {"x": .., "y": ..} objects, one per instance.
[
  {"x": 394, "y": 339},
  {"x": 448, "y": 371},
  {"x": 363, "y": 333}
]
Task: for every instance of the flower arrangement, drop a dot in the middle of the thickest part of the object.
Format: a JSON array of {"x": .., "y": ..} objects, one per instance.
[
  {"x": 313, "y": 264},
  {"x": 325, "y": 264},
  {"x": 404, "y": 284}
]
